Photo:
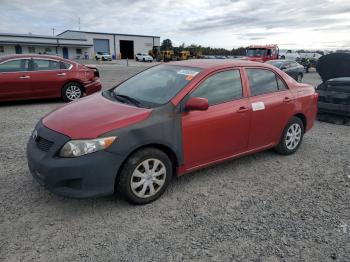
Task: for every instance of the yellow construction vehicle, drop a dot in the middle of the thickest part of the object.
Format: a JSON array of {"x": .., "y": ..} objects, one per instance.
[
  {"x": 155, "y": 53},
  {"x": 184, "y": 55},
  {"x": 167, "y": 55}
]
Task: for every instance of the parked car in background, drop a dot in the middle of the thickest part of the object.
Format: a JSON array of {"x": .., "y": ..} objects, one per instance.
[
  {"x": 143, "y": 57},
  {"x": 289, "y": 55},
  {"x": 29, "y": 76},
  {"x": 334, "y": 92},
  {"x": 290, "y": 67},
  {"x": 103, "y": 56},
  {"x": 169, "y": 119}
]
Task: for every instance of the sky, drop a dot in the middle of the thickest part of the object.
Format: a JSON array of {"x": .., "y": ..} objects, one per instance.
[{"x": 217, "y": 23}]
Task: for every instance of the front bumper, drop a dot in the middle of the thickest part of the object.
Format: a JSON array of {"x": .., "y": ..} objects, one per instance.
[{"x": 81, "y": 177}]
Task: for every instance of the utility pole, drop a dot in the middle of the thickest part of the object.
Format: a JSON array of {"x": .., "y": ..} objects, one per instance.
[{"x": 53, "y": 31}]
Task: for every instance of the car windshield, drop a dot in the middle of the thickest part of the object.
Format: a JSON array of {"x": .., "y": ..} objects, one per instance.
[
  {"x": 277, "y": 64},
  {"x": 256, "y": 52},
  {"x": 157, "y": 85}
]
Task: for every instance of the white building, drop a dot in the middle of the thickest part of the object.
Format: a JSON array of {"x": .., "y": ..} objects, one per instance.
[{"x": 78, "y": 44}]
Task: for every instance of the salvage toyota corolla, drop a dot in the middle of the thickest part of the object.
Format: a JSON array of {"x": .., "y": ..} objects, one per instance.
[{"x": 170, "y": 119}]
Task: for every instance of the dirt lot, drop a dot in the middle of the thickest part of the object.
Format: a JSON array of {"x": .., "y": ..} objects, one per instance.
[{"x": 264, "y": 207}]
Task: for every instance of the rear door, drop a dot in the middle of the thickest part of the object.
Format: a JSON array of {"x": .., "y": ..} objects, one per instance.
[
  {"x": 47, "y": 78},
  {"x": 15, "y": 79},
  {"x": 272, "y": 106},
  {"x": 222, "y": 130}
]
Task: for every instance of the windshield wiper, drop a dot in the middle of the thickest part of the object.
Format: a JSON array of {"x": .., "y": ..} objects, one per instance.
[{"x": 128, "y": 98}]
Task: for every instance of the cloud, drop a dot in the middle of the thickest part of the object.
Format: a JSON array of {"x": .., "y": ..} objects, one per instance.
[{"x": 220, "y": 23}]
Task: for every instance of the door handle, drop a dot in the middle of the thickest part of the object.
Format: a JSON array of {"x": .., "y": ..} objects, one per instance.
[
  {"x": 242, "y": 109},
  {"x": 287, "y": 99},
  {"x": 24, "y": 77},
  {"x": 61, "y": 74}
]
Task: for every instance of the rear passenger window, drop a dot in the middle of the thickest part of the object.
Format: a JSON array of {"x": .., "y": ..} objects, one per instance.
[
  {"x": 281, "y": 84},
  {"x": 221, "y": 87},
  {"x": 264, "y": 81},
  {"x": 43, "y": 64},
  {"x": 15, "y": 66}
]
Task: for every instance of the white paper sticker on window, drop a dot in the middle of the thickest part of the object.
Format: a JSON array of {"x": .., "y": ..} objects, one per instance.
[
  {"x": 187, "y": 72},
  {"x": 258, "y": 106}
]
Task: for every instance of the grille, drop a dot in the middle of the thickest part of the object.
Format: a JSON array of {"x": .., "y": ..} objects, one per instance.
[{"x": 43, "y": 143}]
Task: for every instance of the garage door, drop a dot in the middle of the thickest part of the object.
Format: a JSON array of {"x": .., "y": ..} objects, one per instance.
[{"x": 101, "y": 45}]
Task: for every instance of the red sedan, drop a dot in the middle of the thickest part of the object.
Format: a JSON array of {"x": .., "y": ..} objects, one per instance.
[
  {"x": 170, "y": 119},
  {"x": 41, "y": 76}
]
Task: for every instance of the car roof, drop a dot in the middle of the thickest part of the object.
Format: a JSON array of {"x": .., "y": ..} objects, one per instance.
[
  {"x": 216, "y": 63},
  {"x": 6, "y": 57}
]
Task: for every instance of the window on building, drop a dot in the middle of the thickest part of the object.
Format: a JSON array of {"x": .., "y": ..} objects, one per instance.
[
  {"x": 48, "y": 50},
  {"x": 45, "y": 64},
  {"x": 31, "y": 49},
  {"x": 264, "y": 81},
  {"x": 15, "y": 65},
  {"x": 79, "y": 51},
  {"x": 2, "y": 49},
  {"x": 221, "y": 87}
]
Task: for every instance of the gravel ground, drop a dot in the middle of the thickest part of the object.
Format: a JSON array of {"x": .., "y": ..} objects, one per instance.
[{"x": 263, "y": 207}]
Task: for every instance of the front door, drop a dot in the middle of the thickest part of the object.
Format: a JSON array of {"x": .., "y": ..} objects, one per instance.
[
  {"x": 65, "y": 52},
  {"x": 222, "y": 130},
  {"x": 18, "y": 49},
  {"x": 15, "y": 79}
]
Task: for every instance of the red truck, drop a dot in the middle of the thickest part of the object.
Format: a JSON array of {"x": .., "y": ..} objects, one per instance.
[{"x": 262, "y": 53}]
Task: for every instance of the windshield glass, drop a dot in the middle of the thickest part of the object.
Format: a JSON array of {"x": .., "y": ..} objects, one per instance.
[
  {"x": 256, "y": 52},
  {"x": 157, "y": 85},
  {"x": 277, "y": 64}
]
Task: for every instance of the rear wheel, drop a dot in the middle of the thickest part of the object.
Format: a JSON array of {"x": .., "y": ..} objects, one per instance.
[
  {"x": 291, "y": 137},
  {"x": 145, "y": 176},
  {"x": 144, "y": 60},
  {"x": 72, "y": 91}
]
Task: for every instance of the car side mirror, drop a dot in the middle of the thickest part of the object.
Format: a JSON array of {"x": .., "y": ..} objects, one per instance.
[{"x": 197, "y": 103}]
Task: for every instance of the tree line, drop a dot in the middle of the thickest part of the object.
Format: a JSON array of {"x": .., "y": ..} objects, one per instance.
[{"x": 167, "y": 45}]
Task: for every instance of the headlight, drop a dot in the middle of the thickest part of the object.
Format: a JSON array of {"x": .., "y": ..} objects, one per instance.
[{"x": 76, "y": 148}]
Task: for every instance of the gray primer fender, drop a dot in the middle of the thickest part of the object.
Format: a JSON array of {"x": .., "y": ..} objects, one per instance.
[{"x": 162, "y": 127}]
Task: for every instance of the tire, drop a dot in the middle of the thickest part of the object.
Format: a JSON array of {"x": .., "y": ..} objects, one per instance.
[
  {"x": 144, "y": 60},
  {"x": 292, "y": 137},
  {"x": 103, "y": 59},
  {"x": 72, "y": 91},
  {"x": 137, "y": 59},
  {"x": 299, "y": 78},
  {"x": 129, "y": 181}
]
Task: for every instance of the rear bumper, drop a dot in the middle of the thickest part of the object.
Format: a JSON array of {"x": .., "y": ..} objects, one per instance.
[
  {"x": 336, "y": 109},
  {"x": 81, "y": 177},
  {"x": 92, "y": 87}
]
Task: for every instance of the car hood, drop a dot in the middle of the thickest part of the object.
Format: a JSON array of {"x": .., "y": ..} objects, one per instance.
[
  {"x": 93, "y": 116},
  {"x": 333, "y": 66}
]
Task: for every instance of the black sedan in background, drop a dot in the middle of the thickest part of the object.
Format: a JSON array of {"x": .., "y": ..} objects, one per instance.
[{"x": 290, "y": 67}]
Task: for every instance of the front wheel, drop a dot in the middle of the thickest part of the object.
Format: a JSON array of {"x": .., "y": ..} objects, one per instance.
[
  {"x": 291, "y": 137},
  {"x": 145, "y": 176},
  {"x": 71, "y": 92}
]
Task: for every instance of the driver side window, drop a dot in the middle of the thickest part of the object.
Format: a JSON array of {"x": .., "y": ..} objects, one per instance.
[{"x": 221, "y": 87}]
